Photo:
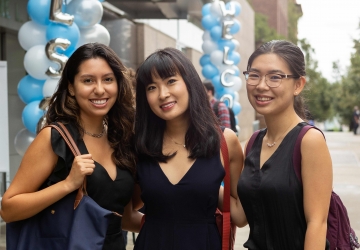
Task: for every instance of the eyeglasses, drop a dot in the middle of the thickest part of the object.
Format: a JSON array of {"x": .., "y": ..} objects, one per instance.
[{"x": 273, "y": 80}]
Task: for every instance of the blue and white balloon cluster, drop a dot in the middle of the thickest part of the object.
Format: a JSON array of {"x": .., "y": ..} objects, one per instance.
[
  {"x": 220, "y": 56},
  {"x": 54, "y": 32}
]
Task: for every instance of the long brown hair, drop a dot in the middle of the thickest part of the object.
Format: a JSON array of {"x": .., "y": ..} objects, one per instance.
[{"x": 120, "y": 118}]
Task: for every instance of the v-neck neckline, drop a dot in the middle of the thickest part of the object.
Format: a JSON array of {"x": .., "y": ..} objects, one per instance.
[{"x": 181, "y": 179}]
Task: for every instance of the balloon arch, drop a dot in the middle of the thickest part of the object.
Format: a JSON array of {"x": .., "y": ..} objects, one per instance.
[
  {"x": 49, "y": 38},
  {"x": 220, "y": 56}
]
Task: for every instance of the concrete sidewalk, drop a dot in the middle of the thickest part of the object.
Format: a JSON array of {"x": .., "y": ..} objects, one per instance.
[{"x": 345, "y": 153}]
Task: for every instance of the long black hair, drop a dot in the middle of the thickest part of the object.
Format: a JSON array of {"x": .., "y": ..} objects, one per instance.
[
  {"x": 202, "y": 137},
  {"x": 294, "y": 58},
  {"x": 120, "y": 119}
]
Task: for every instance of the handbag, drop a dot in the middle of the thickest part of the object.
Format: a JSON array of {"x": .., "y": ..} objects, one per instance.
[
  {"x": 223, "y": 220},
  {"x": 74, "y": 222}
]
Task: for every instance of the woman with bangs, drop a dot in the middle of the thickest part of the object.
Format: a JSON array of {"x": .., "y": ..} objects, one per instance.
[{"x": 180, "y": 170}]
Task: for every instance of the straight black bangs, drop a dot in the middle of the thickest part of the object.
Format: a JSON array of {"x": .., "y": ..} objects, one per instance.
[{"x": 160, "y": 64}]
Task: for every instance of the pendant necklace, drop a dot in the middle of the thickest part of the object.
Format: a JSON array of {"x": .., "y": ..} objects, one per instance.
[
  {"x": 175, "y": 141},
  {"x": 270, "y": 145},
  {"x": 96, "y": 135}
]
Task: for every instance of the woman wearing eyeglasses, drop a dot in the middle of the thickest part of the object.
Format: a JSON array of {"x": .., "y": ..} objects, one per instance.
[{"x": 282, "y": 212}]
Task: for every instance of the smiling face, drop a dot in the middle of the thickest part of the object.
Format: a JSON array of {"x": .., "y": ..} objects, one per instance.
[
  {"x": 168, "y": 98},
  {"x": 95, "y": 88},
  {"x": 266, "y": 100}
]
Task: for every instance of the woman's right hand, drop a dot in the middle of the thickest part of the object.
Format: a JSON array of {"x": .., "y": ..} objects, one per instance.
[{"x": 82, "y": 165}]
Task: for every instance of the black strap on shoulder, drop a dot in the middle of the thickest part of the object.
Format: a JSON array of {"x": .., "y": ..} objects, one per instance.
[
  {"x": 251, "y": 142},
  {"x": 216, "y": 108}
]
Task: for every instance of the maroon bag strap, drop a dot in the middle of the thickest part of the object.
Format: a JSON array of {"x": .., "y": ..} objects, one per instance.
[
  {"x": 297, "y": 150},
  {"x": 65, "y": 134},
  {"x": 251, "y": 142},
  {"x": 226, "y": 199}
]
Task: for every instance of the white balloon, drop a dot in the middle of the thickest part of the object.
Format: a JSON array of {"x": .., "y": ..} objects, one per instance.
[
  {"x": 22, "y": 141},
  {"x": 216, "y": 57},
  {"x": 215, "y": 9},
  {"x": 236, "y": 43},
  {"x": 237, "y": 83},
  {"x": 87, "y": 13},
  {"x": 36, "y": 62},
  {"x": 236, "y": 96},
  {"x": 32, "y": 34},
  {"x": 96, "y": 33},
  {"x": 50, "y": 86},
  {"x": 206, "y": 36},
  {"x": 209, "y": 46}
]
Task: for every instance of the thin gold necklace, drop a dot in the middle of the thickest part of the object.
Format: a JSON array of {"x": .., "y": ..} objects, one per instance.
[
  {"x": 97, "y": 135},
  {"x": 175, "y": 141}
]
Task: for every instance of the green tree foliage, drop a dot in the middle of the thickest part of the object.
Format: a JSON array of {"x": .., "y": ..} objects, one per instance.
[
  {"x": 319, "y": 92},
  {"x": 294, "y": 13},
  {"x": 348, "y": 89},
  {"x": 263, "y": 32}
]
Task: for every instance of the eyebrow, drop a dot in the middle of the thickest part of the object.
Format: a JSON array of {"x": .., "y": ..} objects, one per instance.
[
  {"x": 269, "y": 72},
  {"x": 106, "y": 75}
]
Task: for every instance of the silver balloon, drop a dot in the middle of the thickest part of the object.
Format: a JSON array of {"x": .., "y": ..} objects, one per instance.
[
  {"x": 226, "y": 54},
  {"x": 44, "y": 103},
  {"x": 41, "y": 123},
  {"x": 223, "y": 77},
  {"x": 228, "y": 98},
  {"x": 22, "y": 141},
  {"x": 57, "y": 16},
  {"x": 225, "y": 12},
  {"x": 226, "y": 29},
  {"x": 51, "y": 53}
]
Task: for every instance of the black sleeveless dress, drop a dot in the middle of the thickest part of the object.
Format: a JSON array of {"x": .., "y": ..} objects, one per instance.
[
  {"x": 110, "y": 194},
  {"x": 272, "y": 197},
  {"x": 180, "y": 216}
]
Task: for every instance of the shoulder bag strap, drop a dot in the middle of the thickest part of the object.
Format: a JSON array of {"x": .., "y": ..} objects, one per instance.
[
  {"x": 251, "y": 142},
  {"x": 297, "y": 150},
  {"x": 226, "y": 197},
  {"x": 65, "y": 134}
]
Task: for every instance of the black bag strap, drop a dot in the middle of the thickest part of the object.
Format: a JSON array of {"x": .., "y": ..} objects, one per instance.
[{"x": 216, "y": 108}]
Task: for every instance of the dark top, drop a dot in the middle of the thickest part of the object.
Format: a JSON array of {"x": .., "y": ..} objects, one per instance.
[
  {"x": 272, "y": 197},
  {"x": 180, "y": 216},
  {"x": 110, "y": 194}
]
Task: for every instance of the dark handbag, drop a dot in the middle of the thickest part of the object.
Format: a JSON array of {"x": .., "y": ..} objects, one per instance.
[
  {"x": 223, "y": 220},
  {"x": 74, "y": 222}
]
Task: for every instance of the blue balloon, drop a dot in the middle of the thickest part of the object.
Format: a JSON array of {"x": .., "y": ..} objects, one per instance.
[
  {"x": 236, "y": 5},
  {"x": 209, "y": 21},
  {"x": 209, "y": 71},
  {"x": 224, "y": 91},
  {"x": 235, "y": 27},
  {"x": 236, "y": 108},
  {"x": 234, "y": 56},
  {"x": 30, "y": 89},
  {"x": 39, "y": 11},
  {"x": 224, "y": 42},
  {"x": 216, "y": 32},
  {"x": 216, "y": 83},
  {"x": 31, "y": 116},
  {"x": 204, "y": 59},
  {"x": 71, "y": 33},
  {"x": 205, "y": 10}
]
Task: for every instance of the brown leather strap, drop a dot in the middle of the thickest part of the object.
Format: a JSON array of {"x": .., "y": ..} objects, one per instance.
[{"x": 65, "y": 134}]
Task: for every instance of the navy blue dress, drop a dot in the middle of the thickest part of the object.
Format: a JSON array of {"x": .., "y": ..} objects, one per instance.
[
  {"x": 110, "y": 194},
  {"x": 180, "y": 216}
]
